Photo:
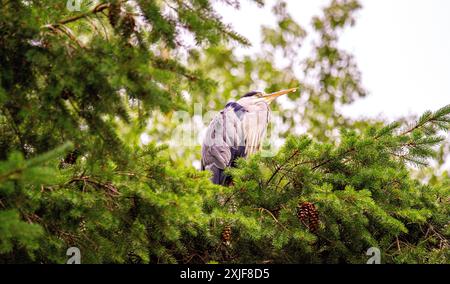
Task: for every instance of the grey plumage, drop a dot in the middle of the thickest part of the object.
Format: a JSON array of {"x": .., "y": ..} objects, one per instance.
[{"x": 237, "y": 131}]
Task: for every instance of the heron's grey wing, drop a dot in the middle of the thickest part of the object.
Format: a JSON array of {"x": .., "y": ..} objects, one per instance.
[
  {"x": 254, "y": 125},
  {"x": 215, "y": 151},
  {"x": 223, "y": 143}
]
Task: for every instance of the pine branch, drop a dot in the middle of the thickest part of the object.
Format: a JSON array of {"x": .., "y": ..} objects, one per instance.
[
  {"x": 16, "y": 130},
  {"x": 418, "y": 149},
  {"x": 334, "y": 158},
  {"x": 97, "y": 9},
  {"x": 441, "y": 116},
  {"x": 61, "y": 25},
  {"x": 174, "y": 67},
  {"x": 38, "y": 160},
  {"x": 280, "y": 167},
  {"x": 211, "y": 17},
  {"x": 112, "y": 190}
]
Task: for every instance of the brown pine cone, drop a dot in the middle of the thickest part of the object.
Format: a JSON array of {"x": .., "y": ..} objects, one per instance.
[
  {"x": 226, "y": 235},
  {"x": 128, "y": 25},
  {"x": 114, "y": 14},
  {"x": 308, "y": 215}
]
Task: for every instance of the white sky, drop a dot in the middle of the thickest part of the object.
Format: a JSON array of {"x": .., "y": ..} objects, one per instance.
[{"x": 402, "y": 48}]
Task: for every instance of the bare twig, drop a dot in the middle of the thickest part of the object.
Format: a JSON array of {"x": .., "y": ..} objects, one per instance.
[
  {"x": 97, "y": 9},
  {"x": 261, "y": 209},
  {"x": 88, "y": 180},
  {"x": 279, "y": 167}
]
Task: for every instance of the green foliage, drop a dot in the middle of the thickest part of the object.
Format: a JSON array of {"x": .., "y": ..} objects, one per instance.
[
  {"x": 20, "y": 180},
  {"x": 93, "y": 77},
  {"x": 93, "y": 80},
  {"x": 364, "y": 194}
]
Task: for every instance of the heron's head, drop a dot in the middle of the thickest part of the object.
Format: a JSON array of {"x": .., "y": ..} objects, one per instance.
[{"x": 259, "y": 96}]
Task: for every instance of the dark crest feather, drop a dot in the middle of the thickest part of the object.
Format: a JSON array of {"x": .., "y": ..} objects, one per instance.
[{"x": 252, "y": 93}]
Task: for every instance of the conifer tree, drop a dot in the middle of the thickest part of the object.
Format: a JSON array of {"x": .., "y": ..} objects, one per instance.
[
  {"x": 93, "y": 77},
  {"x": 362, "y": 193},
  {"x": 77, "y": 89}
]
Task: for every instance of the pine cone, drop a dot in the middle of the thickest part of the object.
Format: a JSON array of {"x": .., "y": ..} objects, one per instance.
[
  {"x": 226, "y": 235},
  {"x": 114, "y": 14},
  {"x": 71, "y": 157},
  {"x": 308, "y": 215},
  {"x": 128, "y": 25}
]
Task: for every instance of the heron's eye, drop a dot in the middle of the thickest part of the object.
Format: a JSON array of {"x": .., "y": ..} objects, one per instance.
[{"x": 259, "y": 95}]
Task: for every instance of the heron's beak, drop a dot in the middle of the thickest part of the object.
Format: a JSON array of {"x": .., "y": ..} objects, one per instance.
[{"x": 270, "y": 97}]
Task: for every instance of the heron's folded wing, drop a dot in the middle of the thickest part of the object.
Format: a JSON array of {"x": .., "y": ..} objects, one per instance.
[
  {"x": 224, "y": 141},
  {"x": 218, "y": 156},
  {"x": 215, "y": 151}
]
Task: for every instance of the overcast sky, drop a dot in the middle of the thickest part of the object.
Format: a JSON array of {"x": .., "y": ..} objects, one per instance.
[{"x": 401, "y": 46}]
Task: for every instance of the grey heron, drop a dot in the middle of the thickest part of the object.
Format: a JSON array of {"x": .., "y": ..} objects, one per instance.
[{"x": 237, "y": 131}]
